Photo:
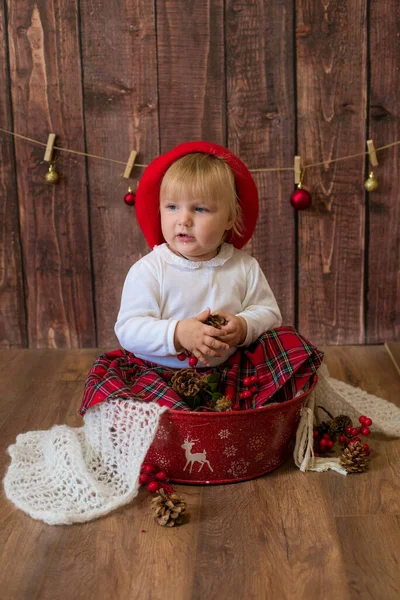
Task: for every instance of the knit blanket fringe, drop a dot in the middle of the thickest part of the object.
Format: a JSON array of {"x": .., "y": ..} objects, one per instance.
[{"x": 72, "y": 475}]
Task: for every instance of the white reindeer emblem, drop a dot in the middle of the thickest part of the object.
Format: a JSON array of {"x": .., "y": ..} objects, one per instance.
[{"x": 192, "y": 458}]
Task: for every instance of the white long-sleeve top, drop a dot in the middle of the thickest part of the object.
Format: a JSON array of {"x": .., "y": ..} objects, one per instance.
[{"x": 162, "y": 288}]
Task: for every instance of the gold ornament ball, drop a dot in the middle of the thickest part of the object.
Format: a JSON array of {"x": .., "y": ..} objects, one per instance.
[
  {"x": 371, "y": 185},
  {"x": 52, "y": 175}
]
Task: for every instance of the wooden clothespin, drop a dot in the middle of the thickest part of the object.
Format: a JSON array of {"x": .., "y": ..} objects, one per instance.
[
  {"x": 297, "y": 169},
  {"x": 372, "y": 153},
  {"x": 130, "y": 164},
  {"x": 50, "y": 147}
]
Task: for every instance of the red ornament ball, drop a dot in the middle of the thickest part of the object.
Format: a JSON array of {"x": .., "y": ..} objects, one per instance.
[
  {"x": 130, "y": 198},
  {"x": 365, "y": 430},
  {"x": 193, "y": 361},
  {"x": 161, "y": 476},
  {"x": 181, "y": 356},
  {"x": 153, "y": 486},
  {"x": 254, "y": 379},
  {"x": 247, "y": 381},
  {"x": 349, "y": 430},
  {"x": 143, "y": 478},
  {"x": 368, "y": 422},
  {"x": 300, "y": 199}
]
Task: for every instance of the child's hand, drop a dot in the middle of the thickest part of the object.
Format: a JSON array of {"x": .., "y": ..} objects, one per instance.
[
  {"x": 235, "y": 330},
  {"x": 199, "y": 339}
]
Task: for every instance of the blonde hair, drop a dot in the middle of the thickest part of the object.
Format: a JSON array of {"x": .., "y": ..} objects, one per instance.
[{"x": 205, "y": 176}]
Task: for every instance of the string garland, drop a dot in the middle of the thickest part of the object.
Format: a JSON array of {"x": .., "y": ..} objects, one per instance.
[
  {"x": 120, "y": 162},
  {"x": 300, "y": 199}
]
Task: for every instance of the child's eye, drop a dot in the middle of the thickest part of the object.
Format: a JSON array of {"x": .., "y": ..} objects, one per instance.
[
  {"x": 201, "y": 209},
  {"x": 171, "y": 206}
]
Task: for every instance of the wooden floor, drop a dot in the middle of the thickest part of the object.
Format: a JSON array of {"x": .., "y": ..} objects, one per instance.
[{"x": 286, "y": 535}]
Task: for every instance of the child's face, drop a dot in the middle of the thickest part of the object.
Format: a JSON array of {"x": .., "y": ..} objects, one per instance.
[{"x": 203, "y": 224}]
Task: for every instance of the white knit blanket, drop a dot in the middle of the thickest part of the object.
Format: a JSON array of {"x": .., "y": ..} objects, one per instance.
[{"x": 67, "y": 475}]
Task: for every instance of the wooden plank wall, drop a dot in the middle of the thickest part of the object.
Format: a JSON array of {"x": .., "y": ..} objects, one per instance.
[{"x": 267, "y": 79}]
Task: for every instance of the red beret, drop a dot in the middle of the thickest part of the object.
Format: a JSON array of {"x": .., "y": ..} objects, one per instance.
[{"x": 148, "y": 193}]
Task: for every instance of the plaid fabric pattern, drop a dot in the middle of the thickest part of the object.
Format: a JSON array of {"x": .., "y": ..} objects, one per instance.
[{"x": 282, "y": 359}]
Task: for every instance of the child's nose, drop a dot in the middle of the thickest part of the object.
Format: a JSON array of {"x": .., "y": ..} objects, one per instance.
[{"x": 186, "y": 218}]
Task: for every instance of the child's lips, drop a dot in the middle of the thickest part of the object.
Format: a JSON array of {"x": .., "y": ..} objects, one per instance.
[{"x": 185, "y": 237}]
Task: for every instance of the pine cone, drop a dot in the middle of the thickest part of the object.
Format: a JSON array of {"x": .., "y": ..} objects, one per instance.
[
  {"x": 187, "y": 382},
  {"x": 339, "y": 424},
  {"x": 168, "y": 510},
  {"x": 354, "y": 459},
  {"x": 222, "y": 404},
  {"x": 216, "y": 321}
]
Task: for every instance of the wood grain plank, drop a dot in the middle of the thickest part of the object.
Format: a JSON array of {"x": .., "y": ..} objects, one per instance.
[
  {"x": 114, "y": 557},
  {"x": 332, "y": 99},
  {"x": 260, "y": 98},
  {"x": 371, "y": 565},
  {"x": 383, "y": 316},
  {"x": 378, "y": 489},
  {"x": 54, "y": 223},
  {"x": 393, "y": 349},
  {"x": 120, "y": 102},
  {"x": 190, "y": 43},
  {"x": 13, "y": 332},
  {"x": 274, "y": 537}
]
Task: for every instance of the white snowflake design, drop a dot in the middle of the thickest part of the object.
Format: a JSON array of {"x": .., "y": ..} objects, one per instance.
[
  {"x": 238, "y": 467},
  {"x": 224, "y": 433},
  {"x": 257, "y": 442},
  {"x": 230, "y": 451},
  {"x": 162, "y": 433},
  {"x": 273, "y": 462},
  {"x": 162, "y": 462},
  {"x": 278, "y": 421}
]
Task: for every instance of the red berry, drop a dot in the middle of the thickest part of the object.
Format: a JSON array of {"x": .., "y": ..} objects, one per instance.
[
  {"x": 330, "y": 443},
  {"x": 161, "y": 476},
  {"x": 349, "y": 430},
  {"x": 365, "y": 430},
  {"x": 316, "y": 434},
  {"x": 326, "y": 436},
  {"x": 342, "y": 439},
  {"x": 143, "y": 478},
  {"x": 153, "y": 486},
  {"x": 365, "y": 446},
  {"x": 368, "y": 422},
  {"x": 323, "y": 443},
  {"x": 148, "y": 468},
  {"x": 254, "y": 379},
  {"x": 355, "y": 431},
  {"x": 247, "y": 381},
  {"x": 245, "y": 394},
  {"x": 193, "y": 361},
  {"x": 181, "y": 356},
  {"x": 254, "y": 389},
  {"x": 362, "y": 418},
  {"x": 356, "y": 439}
]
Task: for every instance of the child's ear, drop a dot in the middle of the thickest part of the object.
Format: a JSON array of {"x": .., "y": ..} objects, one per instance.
[{"x": 230, "y": 225}]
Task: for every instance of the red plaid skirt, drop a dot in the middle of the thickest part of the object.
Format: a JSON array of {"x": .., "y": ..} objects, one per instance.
[{"x": 282, "y": 359}]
